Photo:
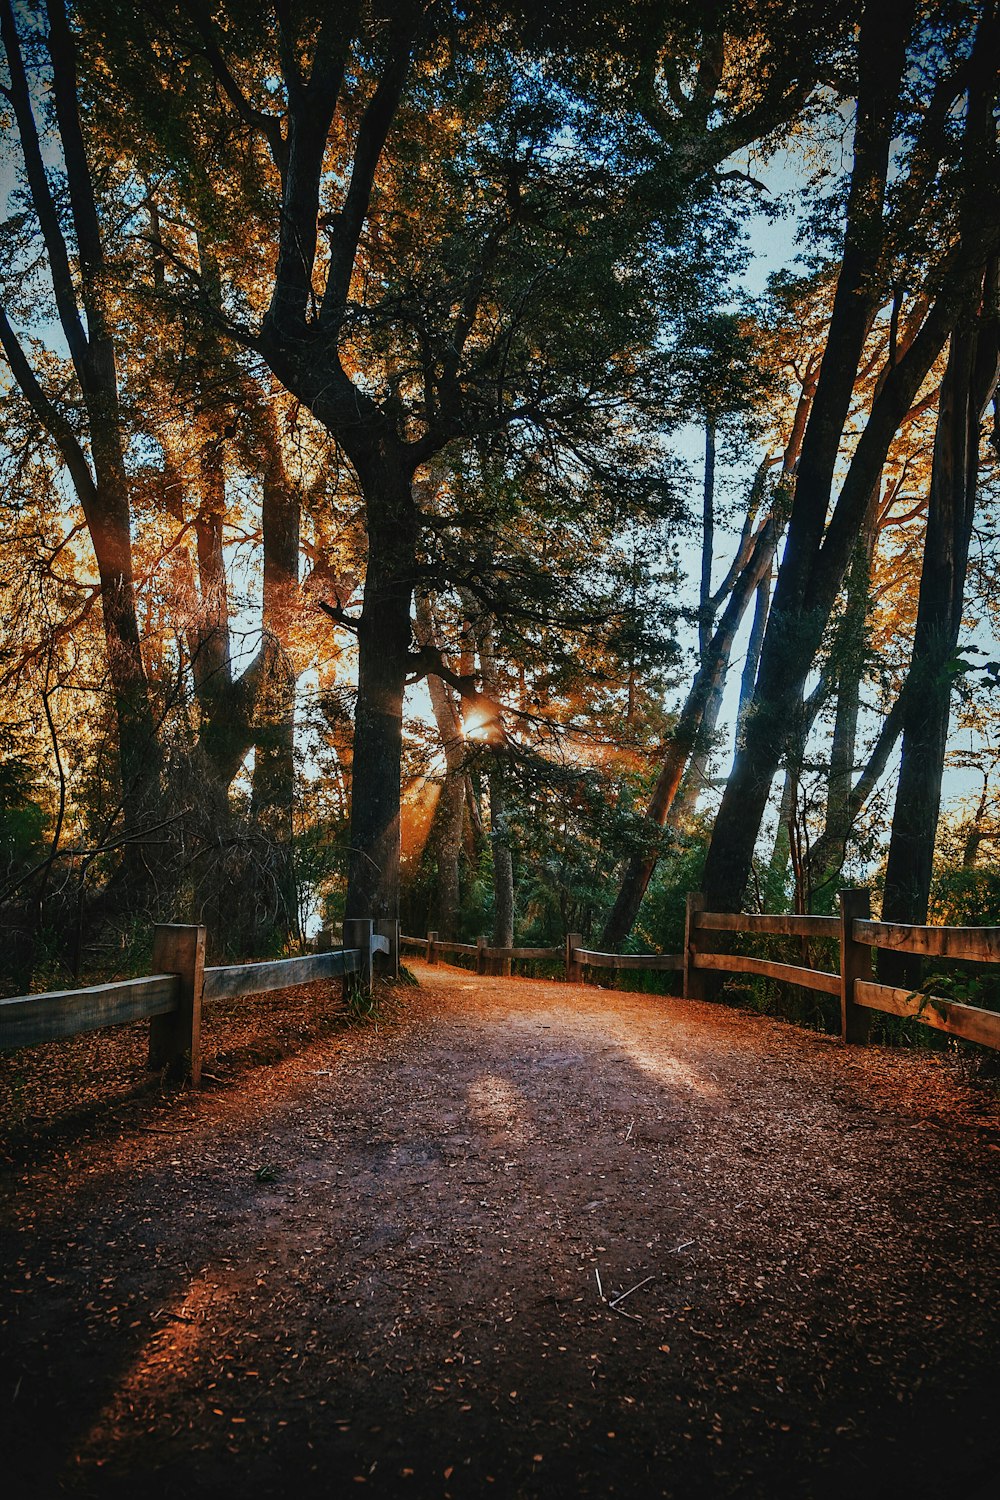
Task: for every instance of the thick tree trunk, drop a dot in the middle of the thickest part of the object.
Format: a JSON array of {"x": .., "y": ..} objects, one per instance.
[
  {"x": 816, "y": 555},
  {"x": 969, "y": 383},
  {"x": 447, "y": 833},
  {"x": 138, "y": 745},
  {"x": 383, "y": 652}
]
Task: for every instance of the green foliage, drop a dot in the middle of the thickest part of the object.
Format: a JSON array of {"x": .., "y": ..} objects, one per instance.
[
  {"x": 24, "y": 821},
  {"x": 966, "y": 895},
  {"x": 660, "y": 924}
]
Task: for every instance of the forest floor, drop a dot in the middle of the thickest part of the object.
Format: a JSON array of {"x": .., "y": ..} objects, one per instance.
[{"x": 387, "y": 1257}]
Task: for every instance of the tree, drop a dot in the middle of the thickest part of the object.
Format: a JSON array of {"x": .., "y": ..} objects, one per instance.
[
  {"x": 817, "y": 552},
  {"x": 969, "y": 384},
  {"x": 430, "y": 284},
  {"x": 96, "y": 462}
]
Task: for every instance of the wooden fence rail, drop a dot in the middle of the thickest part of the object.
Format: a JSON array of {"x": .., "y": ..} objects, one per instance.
[
  {"x": 26, "y": 1020},
  {"x": 853, "y": 982},
  {"x": 172, "y": 1000}
]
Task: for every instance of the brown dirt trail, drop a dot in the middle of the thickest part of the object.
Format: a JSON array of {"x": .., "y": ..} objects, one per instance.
[{"x": 386, "y": 1264}]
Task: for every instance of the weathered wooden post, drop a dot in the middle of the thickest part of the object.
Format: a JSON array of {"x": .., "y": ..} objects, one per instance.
[
  {"x": 387, "y": 964},
  {"x": 574, "y": 968},
  {"x": 432, "y": 938},
  {"x": 175, "y": 1039},
  {"x": 358, "y": 934},
  {"x": 480, "y": 955},
  {"x": 694, "y": 979},
  {"x": 855, "y": 964}
]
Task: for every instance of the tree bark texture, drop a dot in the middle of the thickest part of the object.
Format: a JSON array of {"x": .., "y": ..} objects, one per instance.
[
  {"x": 815, "y": 559},
  {"x": 383, "y": 660},
  {"x": 449, "y": 818},
  {"x": 969, "y": 383}
]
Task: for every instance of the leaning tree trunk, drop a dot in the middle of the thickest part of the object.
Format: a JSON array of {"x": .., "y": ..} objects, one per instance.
[
  {"x": 818, "y": 551},
  {"x": 685, "y": 738},
  {"x": 969, "y": 382}
]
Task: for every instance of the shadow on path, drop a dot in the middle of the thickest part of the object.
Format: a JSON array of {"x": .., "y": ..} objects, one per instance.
[{"x": 390, "y": 1261}]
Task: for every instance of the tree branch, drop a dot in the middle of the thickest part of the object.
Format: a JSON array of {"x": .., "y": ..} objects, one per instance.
[
  {"x": 372, "y": 132},
  {"x": 41, "y": 194},
  {"x": 268, "y": 125}
]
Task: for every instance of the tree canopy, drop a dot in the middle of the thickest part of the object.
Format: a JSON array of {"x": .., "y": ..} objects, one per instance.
[{"x": 414, "y": 504}]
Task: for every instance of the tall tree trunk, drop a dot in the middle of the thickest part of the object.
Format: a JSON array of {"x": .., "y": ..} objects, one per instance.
[
  {"x": 449, "y": 819},
  {"x": 705, "y": 610},
  {"x": 503, "y": 858},
  {"x": 816, "y": 554},
  {"x": 273, "y": 787},
  {"x": 698, "y": 769},
  {"x": 781, "y": 849},
  {"x": 850, "y": 652},
  {"x": 383, "y": 660},
  {"x": 503, "y": 864},
  {"x": 99, "y": 478},
  {"x": 969, "y": 382},
  {"x": 762, "y": 605},
  {"x": 685, "y": 737},
  {"x": 787, "y": 841}
]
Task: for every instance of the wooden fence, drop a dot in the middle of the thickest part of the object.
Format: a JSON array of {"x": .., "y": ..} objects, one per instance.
[
  {"x": 571, "y": 954},
  {"x": 853, "y": 982},
  {"x": 172, "y": 999}
]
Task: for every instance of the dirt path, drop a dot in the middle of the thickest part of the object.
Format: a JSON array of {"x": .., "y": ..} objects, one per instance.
[{"x": 373, "y": 1264}]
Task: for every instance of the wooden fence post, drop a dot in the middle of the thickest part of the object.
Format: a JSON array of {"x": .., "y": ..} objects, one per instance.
[
  {"x": 855, "y": 963},
  {"x": 358, "y": 934},
  {"x": 387, "y": 964},
  {"x": 175, "y": 1039},
  {"x": 574, "y": 969},
  {"x": 432, "y": 957},
  {"x": 480, "y": 955},
  {"x": 694, "y": 979}
]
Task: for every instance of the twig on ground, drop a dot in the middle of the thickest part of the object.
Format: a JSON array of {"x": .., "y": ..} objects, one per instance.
[
  {"x": 629, "y": 1130},
  {"x": 622, "y": 1295},
  {"x": 600, "y": 1289}
]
